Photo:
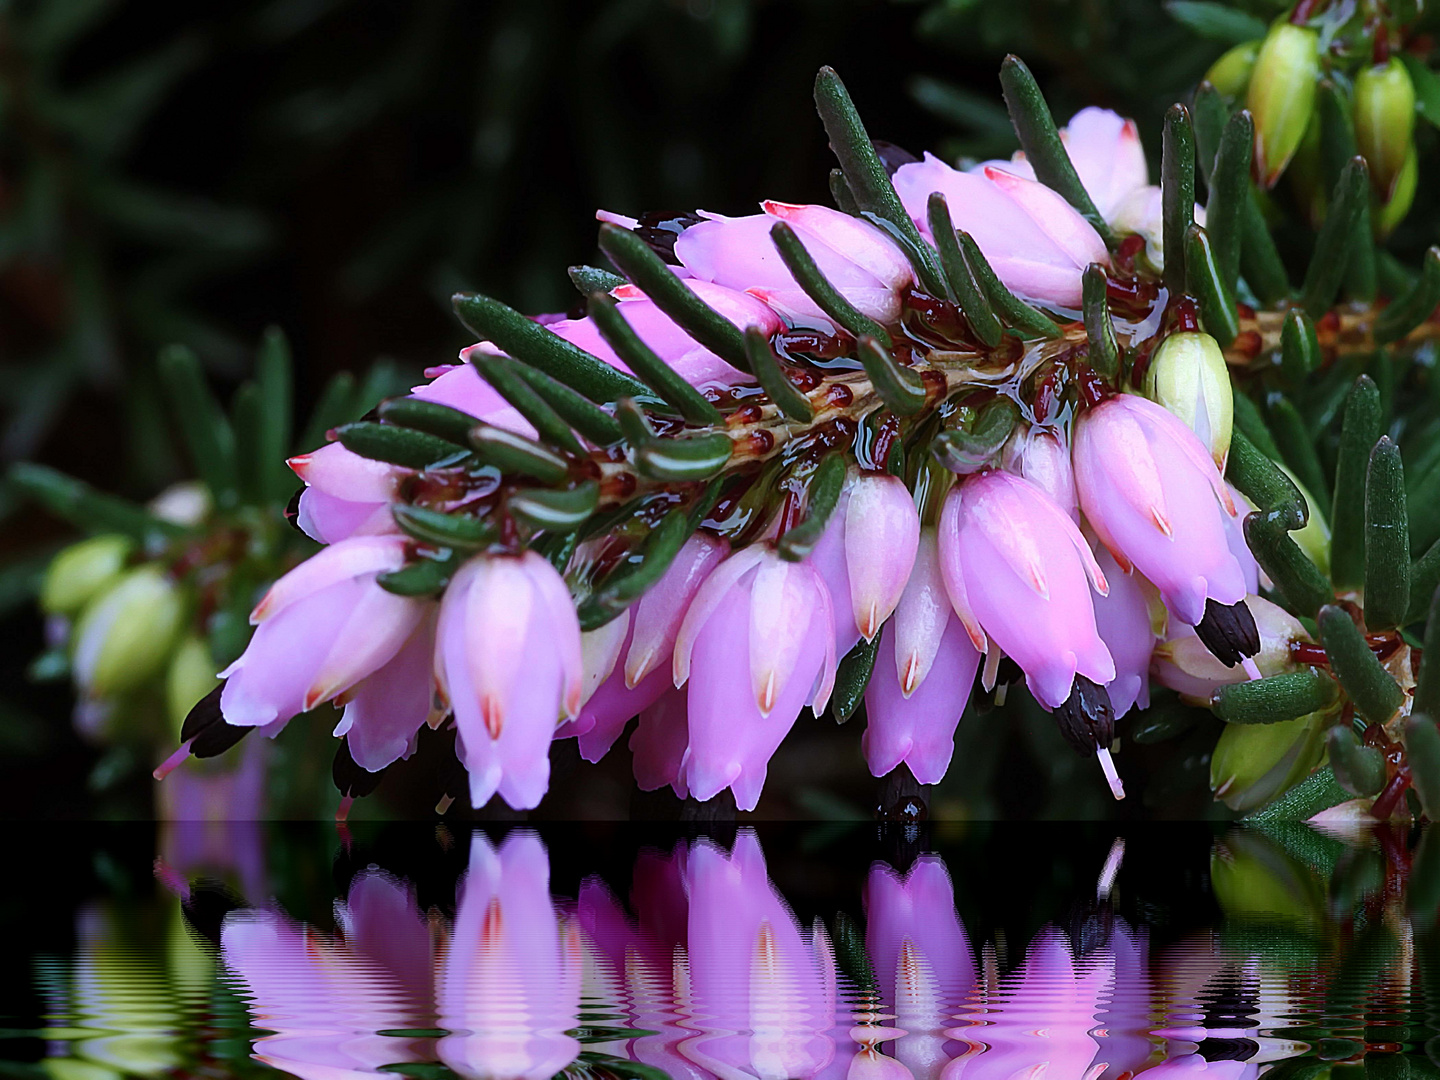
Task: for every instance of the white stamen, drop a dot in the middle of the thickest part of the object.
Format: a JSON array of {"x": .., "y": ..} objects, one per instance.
[
  {"x": 1251, "y": 668},
  {"x": 1107, "y": 766}
]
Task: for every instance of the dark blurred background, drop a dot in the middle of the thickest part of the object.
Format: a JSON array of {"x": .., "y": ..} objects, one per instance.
[{"x": 194, "y": 173}]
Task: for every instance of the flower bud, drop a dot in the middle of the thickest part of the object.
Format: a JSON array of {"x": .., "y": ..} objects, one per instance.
[
  {"x": 187, "y": 503},
  {"x": 1231, "y": 73},
  {"x": 1281, "y": 96},
  {"x": 1385, "y": 121},
  {"x": 190, "y": 677},
  {"x": 1402, "y": 195},
  {"x": 1255, "y": 763},
  {"x": 1188, "y": 376},
  {"x": 125, "y": 636},
  {"x": 81, "y": 572},
  {"x": 1184, "y": 663},
  {"x": 1252, "y": 877}
]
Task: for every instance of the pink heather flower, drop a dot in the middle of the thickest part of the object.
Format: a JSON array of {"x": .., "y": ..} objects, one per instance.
[
  {"x": 1123, "y": 619},
  {"x": 696, "y": 364},
  {"x": 866, "y": 554},
  {"x": 320, "y": 629},
  {"x": 856, "y": 257},
  {"x": 1235, "y": 540},
  {"x": 632, "y": 669},
  {"x": 508, "y": 660},
  {"x": 324, "y": 1000},
  {"x": 1015, "y": 567},
  {"x": 659, "y": 743},
  {"x": 1041, "y": 456},
  {"x": 384, "y": 711},
  {"x": 348, "y": 495},
  {"x": 1105, "y": 149},
  {"x": 1152, "y": 493},
  {"x": 345, "y": 494},
  {"x": 922, "y": 678},
  {"x": 1043, "y": 1019},
  {"x": 509, "y": 982},
  {"x": 1035, "y": 241},
  {"x": 757, "y": 644},
  {"x": 763, "y": 990},
  {"x": 1183, "y": 663}
]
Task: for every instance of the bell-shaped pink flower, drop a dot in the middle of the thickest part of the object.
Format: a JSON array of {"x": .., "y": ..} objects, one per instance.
[
  {"x": 660, "y": 741},
  {"x": 1123, "y": 619},
  {"x": 345, "y": 494},
  {"x": 1016, "y": 569},
  {"x": 509, "y": 981},
  {"x": 757, "y": 644},
  {"x": 1105, "y": 149},
  {"x": 857, "y": 258},
  {"x": 385, "y": 710},
  {"x": 1152, "y": 493},
  {"x": 763, "y": 990},
  {"x": 1035, "y": 241},
  {"x": 1041, "y": 456},
  {"x": 696, "y": 364},
  {"x": 508, "y": 660},
  {"x": 320, "y": 629},
  {"x": 921, "y": 957},
  {"x": 922, "y": 679},
  {"x": 637, "y": 671}
]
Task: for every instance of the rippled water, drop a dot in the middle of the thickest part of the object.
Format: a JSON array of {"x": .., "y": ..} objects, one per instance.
[{"x": 863, "y": 953}]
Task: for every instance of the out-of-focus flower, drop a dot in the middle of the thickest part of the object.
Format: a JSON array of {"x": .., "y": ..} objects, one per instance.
[
  {"x": 1017, "y": 570},
  {"x": 922, "y": 678},
  {"x": 1152, "y": 493},
  {"x": 757, "y": 645},
  {"x": 508, "y": 660},
  {"x": 1231, "y": 73},
  {"x": 125, "y": 635},
  {"x": 1034, "y": 239},
  {"x": 319, "y": 630},
  {"x": 856, "y": 257},
  {"x": 190, "y": 676},
  {"x": 82, "y": 572},
  {"x": 1189, "y": 377}
]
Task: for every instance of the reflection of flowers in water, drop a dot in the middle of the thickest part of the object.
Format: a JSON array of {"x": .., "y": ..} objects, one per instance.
[{"x": 712, "y": 970}]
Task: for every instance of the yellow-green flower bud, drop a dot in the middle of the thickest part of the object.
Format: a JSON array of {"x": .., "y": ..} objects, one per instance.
[
  {"x": 1402, "y": 195},
  {"x": 125, "y": 636},
  {"x": 1385, "y": 121},
  {"x": 1255, "y": 763},
  {"x": 1281, "y": 96},
  {"x": 1314, "y": 538},
  {"x": 1188, "y": 376},
  {"x": 190, "y": 677},
  {"x": 1304, "y": 177},
  {"x": 82, "y": 571},
  {"x": 1231, "y": 73}
]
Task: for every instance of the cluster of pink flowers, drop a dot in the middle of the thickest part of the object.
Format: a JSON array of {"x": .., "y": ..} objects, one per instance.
[
  {"x": 710, "y": 963},
  {"x": 1060, "y": 559}
]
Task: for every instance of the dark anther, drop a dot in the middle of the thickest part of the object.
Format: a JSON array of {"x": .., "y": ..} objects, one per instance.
[
  {"x": 1087, "y": 719},
  {"x": 892, "y": 156},
  {"x": 353, "y": 781},
  {"x": 661, "y": 230},
  {"x": 1229, "y": 632},
  {"x": 206, "y": 730},
  {"x": 292, "y": 510}
]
